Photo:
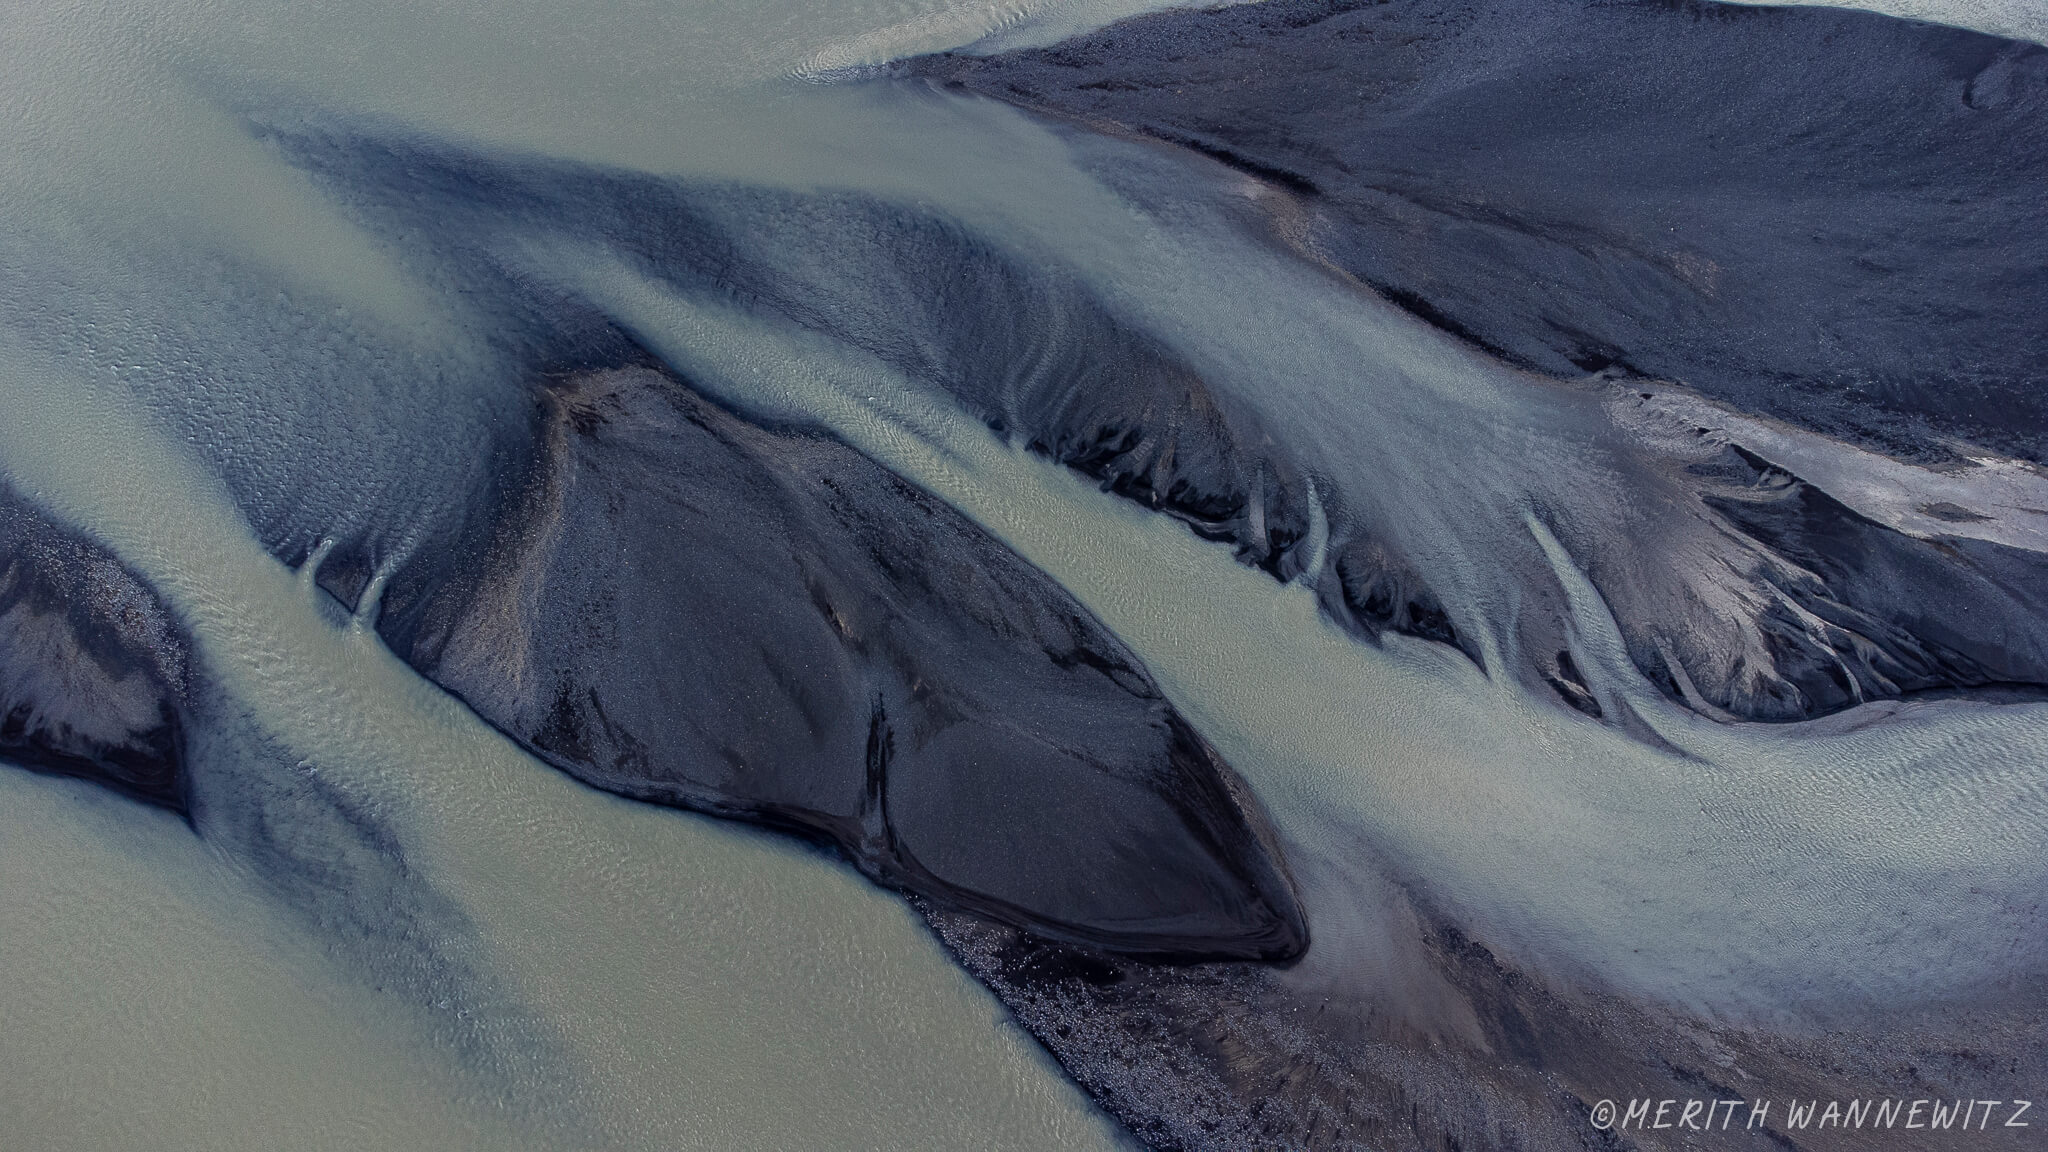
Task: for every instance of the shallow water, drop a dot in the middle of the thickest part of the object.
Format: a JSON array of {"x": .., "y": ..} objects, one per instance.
[
  {"x": 155, "y": 999},
  {"x": 203, "y": 350},
  {"x": 1885, "y": 855},
  {"x": 2018, "y": 19},
  {"x": 559, "y": 966},
  {"x": 604, "y": 972}
]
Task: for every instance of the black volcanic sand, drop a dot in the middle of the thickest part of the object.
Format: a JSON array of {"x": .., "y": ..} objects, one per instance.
[
  {"x": 1831, "y": 217},
  {"x": 690, "y": 609},
  {"x": 94, "y": 674},
  {"x": 1235, "y": 1056},
  {"x": 1807, "y": 609},
  {"x": 1826, "y": 217},
  {"x": 677, "y": 604}
]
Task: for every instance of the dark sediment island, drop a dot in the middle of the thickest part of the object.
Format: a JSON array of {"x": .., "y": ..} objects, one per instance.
[
  {"x": 1828, "y": 216},
  {"x": 94, "y": 673},
  {"x": 687, "y": 608}
]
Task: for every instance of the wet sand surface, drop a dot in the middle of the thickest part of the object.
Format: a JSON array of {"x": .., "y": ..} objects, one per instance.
[{"x": 1136, "y": 554}]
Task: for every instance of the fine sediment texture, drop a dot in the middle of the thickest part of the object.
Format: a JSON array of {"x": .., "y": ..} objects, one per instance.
[
  {"x": 676, "y": 605},
  {"x": 1228, "y": 1056},
  {"x": 615, "y": 391},
  {"x": 1831, "y": 218},
  {"x": 1721, "y": 612},
  {"x": 1827, "y": 216},
  {"x": 677, "y": 602},
  {"x": 94, "y": 675},
  {"x": 693, "y": 610}
]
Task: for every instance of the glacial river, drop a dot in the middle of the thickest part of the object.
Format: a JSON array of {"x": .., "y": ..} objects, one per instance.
[{"x": 185, "y": 317}]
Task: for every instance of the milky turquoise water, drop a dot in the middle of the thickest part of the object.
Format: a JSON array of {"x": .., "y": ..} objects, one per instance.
[
  {"x": 579, "y": 970},
  {"x": 584, "y": 971},
  {"x": 2019, "y": 19},
  {"x": 594, "y": 972}
]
